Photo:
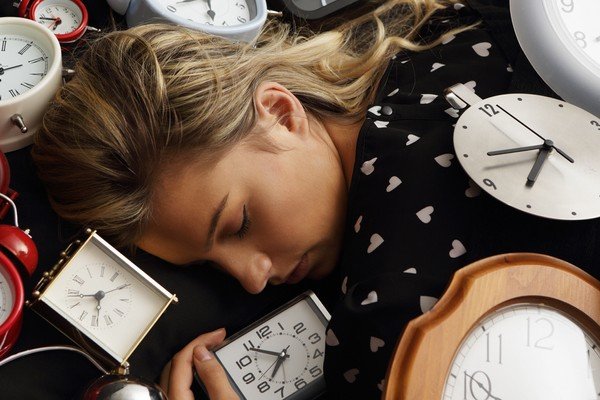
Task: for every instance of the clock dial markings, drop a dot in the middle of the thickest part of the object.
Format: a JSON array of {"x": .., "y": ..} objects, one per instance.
[{"x": 220, "y": 13}]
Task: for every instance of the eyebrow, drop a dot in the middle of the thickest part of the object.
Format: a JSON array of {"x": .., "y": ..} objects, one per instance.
[{"x": 213, "y": 223}]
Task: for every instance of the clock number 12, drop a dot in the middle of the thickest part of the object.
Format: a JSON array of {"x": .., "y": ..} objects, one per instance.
[{"x": 489, "y": 110}]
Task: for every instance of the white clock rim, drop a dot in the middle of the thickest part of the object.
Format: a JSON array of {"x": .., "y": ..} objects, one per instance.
[
  {"x": 245, "y": 32},
  {"x": 575, "y": 80},
  {"x": 54, "y": 69}
]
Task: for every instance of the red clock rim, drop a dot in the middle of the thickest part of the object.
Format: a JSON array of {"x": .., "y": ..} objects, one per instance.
[
  {"x": 4, "y": 173},
  {"x": 66, "y": 37},
  {"x": 15, "y": 314}
]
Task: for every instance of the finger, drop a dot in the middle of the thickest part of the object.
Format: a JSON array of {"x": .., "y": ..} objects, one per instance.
[
  {"x": 164, "y": 377},
  {"x": 213, "y": 375},
  {"x": 181, "y": 373}
]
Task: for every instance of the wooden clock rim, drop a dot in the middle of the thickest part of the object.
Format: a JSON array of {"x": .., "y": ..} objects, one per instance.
[{"x": 441, "y": 330}]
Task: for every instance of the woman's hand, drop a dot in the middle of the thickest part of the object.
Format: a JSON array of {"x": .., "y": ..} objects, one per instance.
[{"x": 177, "y": 376}]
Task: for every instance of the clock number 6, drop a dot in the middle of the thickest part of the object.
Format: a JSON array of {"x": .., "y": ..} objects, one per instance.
[{"x": 596, "y": 124}]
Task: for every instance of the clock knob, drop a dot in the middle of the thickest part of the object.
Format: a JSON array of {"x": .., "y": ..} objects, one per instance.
[
  {"x": 115, "y": 387},
  {"x": 20, "y": 245}
]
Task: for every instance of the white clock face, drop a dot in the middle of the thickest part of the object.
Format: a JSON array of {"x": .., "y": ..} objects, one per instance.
[
  {"x": 60, "y": 16},
  {"x": 221, "y": 13},
  {"x": 7, "y": 298},
  {"x": 576, "y": 22},
  {"x": 23, "y": 64},
  {"x": 541, "y": 181},
  {"x": 280, "y": 357},
  {"x": 108, "y": 301},
  {"x": 525, "y": 352}
]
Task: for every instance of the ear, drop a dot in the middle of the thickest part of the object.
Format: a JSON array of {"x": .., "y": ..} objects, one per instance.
[{"x": 277, "y": 105}]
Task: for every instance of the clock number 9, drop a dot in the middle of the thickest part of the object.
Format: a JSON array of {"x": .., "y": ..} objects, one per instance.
[
  {"x": 490, "y": 183},
  {"x": 596, "y": 124},
  {"x": 570, "y": 4}
]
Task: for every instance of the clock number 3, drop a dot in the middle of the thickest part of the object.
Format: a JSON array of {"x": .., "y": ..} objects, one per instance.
[
  {"x": 596, "y": 124},
  {"x": 489, "y": 110}
]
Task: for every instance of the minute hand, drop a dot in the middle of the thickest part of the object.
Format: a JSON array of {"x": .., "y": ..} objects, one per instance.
[
  {"x": 271, "y": 353},
  {"x": 562, "y": 153}
]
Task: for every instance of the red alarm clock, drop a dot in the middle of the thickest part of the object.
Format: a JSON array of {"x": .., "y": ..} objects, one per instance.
[
  {"x": 18, "y": 255},
  {"x": 67, "y": 19}
]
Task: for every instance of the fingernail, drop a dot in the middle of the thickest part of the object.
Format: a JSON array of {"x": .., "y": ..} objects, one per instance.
[{"x": 202, "y": 353}]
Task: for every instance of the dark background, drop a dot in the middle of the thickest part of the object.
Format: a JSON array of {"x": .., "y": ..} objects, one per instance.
[{"x": 208, "y": 298}]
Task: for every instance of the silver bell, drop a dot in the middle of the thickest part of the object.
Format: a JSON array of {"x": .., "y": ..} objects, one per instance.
[{"x": 123, "y": 387}]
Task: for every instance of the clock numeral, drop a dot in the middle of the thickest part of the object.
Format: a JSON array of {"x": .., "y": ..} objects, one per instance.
[
  {"x": 4, "y": 45},
  {"x": 299, "y": 328},
  {"x": 489, "y": 110},
  {"x": 243, "y": 362},
  {"x": 241, "y": 6},
  {"x": 88, "y": 270},
  {"x": 569, "y": 4},
  {"x": 280, "y": 326},
  {"x": 118, "y": 312},
  {"x": 280, "y": 390},
  {"x": 318, "y": 353},
  {"x": 580, "y": 39},
  {"x": 248, "y": 378},
  {"x": 72, "y": 292},
  {"x": 242, "y": 20},
  {"x": 300, "y": 383},
  {"x": 487, "y": 343},
  {"x": 172, "y": 9},
  {"x": 263, "y": 332},
  {"x": 112, "y": 278},
  {"x": 263, "y": 387},
  {"x": 25, "y": 48},
  {"x": 26, "y": 85},
  {"x": 94, "y": 320},
  {"x": 78, "y": 280},
  {"x": 83, "y": 315},
  {"x": 36, "y": 60},
  {"x": 249, "y": 345},
  {"x": 596, "y": 124},
  {"x": 102, "y": 268},
  {"x": 37, "y": 73},
  {"x": 549, "y": 330},
  {"x": 314, "y": 338},
  {"x": 490, "y": 183},
  {"x": 477, "y": 386},
  {"x": 108, "y": 320},
  {"x": 75, "y": 305},
  {"x": 315, "y": 371},
  {"x": 13, "y": 92}
]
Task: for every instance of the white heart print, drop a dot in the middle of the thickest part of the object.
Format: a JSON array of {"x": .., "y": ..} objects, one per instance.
[
  {"x": 411, "y": 139},
  {"x": 376, "y": 343},
  {"x": 367, "y": 168},
  {"x": 351, "y": 374},
  {"x": 357, "y": 224},
  {"x": 381, "y": 384},
  {"x": 410, "y": 271},
  {"x": 448, "y": 39},
  {"x": 482, "y": 49},
  {"x": 382, "y": 124},
  {"x": 444, "y": 160},
  {"x": 375, "y": 242},
  {"x": 393, "y": 92},
  {"x": 425, "y": 214},
  {"x": 394, "y": 183},
  {"x": 436, "y": 66},
  {"x": 371, "y": 298},
  {"x": 331, "y": 339},
  {"x": 345, "y": 285},
  {"x": 471, "y": 85},
  {"x": 458, "y": 249},
  {"x": 427, "y": 303},
  {"x": 427, "y": 98},
  {"x": 453, "y": 112},
  {"x": 375, "y": 110},
  {"x": 473, "y": 190}
]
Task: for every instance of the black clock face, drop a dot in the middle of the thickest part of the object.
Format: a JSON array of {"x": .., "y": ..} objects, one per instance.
[
  {"x": 280, "y": 358},
  {"x": 314, "y": 9}
]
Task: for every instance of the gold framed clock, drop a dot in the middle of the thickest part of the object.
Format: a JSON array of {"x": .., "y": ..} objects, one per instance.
[{"x": 518, "y": 325}]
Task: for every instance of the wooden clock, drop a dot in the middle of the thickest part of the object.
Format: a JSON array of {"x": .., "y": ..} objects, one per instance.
[{"x": 515, "y": 326}]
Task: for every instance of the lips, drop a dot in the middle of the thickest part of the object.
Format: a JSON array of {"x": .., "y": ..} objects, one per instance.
[{"x": 300, "y": 271}]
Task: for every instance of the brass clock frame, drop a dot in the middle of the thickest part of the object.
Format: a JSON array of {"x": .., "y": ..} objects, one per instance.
[
  {"x": 425, "y": 351},
  {"x": 97, "y": 351}
]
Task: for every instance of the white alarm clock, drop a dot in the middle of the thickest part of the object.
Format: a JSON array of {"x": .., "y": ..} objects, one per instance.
[
  {"x": 281, "y": 355},
  {"x": 561, "y": 39},
  {"x": 233, "y": 19},
  {"x": 30, "y": 75}
]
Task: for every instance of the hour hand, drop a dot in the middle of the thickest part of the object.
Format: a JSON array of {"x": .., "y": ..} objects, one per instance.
[
  {"x": 514, "y": 150},
  {"x": 537, "y": 166},
  {"x": 271, "y": 353}
]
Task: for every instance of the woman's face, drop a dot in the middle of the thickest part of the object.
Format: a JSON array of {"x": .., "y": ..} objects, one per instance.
[{"x": 261, "y": 215}]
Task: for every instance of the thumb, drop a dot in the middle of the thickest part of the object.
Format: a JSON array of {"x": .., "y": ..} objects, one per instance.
[{"x": 212, "y": 375}]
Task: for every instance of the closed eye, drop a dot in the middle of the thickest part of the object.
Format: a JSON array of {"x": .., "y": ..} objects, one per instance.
[{"x": 245, "y": 224}]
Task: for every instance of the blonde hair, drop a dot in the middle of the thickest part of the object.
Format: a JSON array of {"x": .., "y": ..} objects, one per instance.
[{"x": 157, "y": 94}]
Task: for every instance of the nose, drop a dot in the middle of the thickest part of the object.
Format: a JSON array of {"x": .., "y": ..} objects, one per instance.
[{"x": 252, "y": 272}]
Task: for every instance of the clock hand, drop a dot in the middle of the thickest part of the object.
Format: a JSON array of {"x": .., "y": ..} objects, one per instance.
[
  {"x": 514, "y": 150},
  {"x": 562, "y": 153},
  {"x": 48, "y": 19},
  {"x": 539, "y": 161},
  {"x": 272, "y": 353},
  {"x": 210, "y": 11},
  {"x": 488, "y": 392},
  {"x": 280, "y": 360},
  {"x": 271, "y": 366},
  {"x": 2, "y": 69},
  {"x": 119, "y": 287}
]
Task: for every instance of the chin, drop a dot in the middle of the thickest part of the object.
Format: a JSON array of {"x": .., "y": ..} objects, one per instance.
[{"x": 321, "y": 271}]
